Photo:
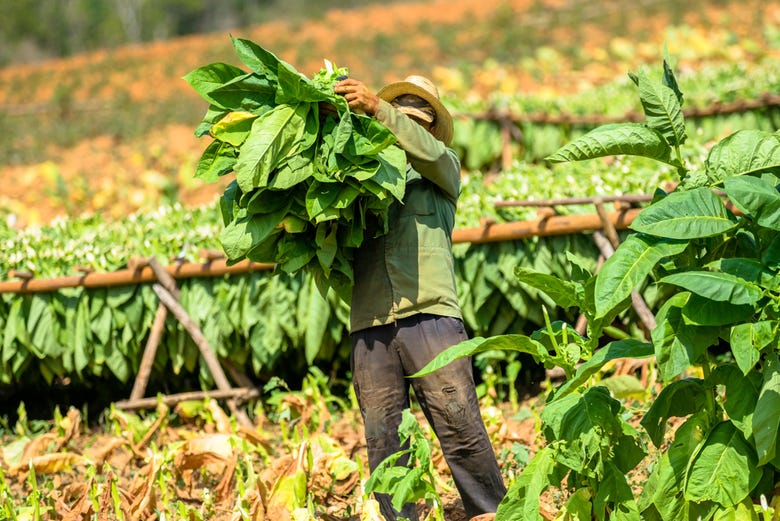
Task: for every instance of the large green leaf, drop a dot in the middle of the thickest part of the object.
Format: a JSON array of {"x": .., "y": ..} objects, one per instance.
[
  {"x": 563, "y": 292},
  {"x": 213, "y": 114},
  {"x": 247, "y": 92},
  {"x": 748, "y": 339},
  {"x": 770, "y": 256},
  {"x": 258, "y": 59},
  {"x": 274, "y": 136},
  {"x": 245, "y": 233},
  {"x": 473, "y": 346},
  {"x": 663, "y": 109},
  {"x": 588, "y": 423},
  {"x": 117, "y": 362},
  {"x": 391, "y": 174},
  {"x": 750, "y": 269},
  {"x": 703, "y": 311},
  {"x": 669, "y": 79},
  {"x": 744, "y": 152},
  {"x": 327, "y": 245},
  {"x": 718, "y": 286},
  {"x": 80, "y": 340},
  {"x": 521, "y": 502},
  {"x": 15, "y": 330},
  {"x": 725, "y": 469},
  {"x": 614, "y": 139},
  {"x": 689, "y": 214},
  {"x": 766, "y": 420},
  {"x": 294, "y": 87},
  {"x": 664, "y": 488},
  {"x": 234, "y": 127},
  {"x": 744, "y": 511},
  {"x": 756, "y": 198},
  {"x": 679, "y": 344},
  {"x": 297, "y": 169},
  {"x": 321, "y": 197},
  {"x": 211, "y": 77},
  {"x": 313, "y": 315},
  {"x": 614, "y": 497},
  {"x": 369, "y": 137},
  {"x": 579, "y": 505},
  {"x": 678, "y": 399},
  {"x": 742, "y": 392},
  {"x": 628, "y": 267},
  {"x": 262, "y": 201}
]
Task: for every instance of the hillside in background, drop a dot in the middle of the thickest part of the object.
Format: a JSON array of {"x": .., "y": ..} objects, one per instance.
[{"x": 112, "y": 131}]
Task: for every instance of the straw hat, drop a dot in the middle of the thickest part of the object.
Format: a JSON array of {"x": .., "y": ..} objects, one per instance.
[{"x": 425, "y": 89}]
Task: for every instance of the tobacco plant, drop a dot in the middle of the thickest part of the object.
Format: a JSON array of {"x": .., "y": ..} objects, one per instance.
[
  {"x": 716, "y": 339},
  {"x": 310, "y": 181},
  {"x": 414, "y": 480}
]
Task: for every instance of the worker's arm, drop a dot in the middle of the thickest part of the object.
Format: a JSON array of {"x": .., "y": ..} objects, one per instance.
[{"x": 427, "y": 155}]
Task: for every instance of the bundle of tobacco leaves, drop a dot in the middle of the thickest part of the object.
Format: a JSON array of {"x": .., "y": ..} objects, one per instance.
[{"x": 312, "y": 178}]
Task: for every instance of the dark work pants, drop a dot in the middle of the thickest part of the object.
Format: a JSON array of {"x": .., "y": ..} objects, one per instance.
[{"x": 382, "y": 357}]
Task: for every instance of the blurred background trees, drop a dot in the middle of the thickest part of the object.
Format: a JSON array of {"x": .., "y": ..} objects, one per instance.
[{"x": 37, "y": 30}]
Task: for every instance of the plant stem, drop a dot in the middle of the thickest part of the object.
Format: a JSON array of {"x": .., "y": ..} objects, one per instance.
[{"x": 706, "y": 371}]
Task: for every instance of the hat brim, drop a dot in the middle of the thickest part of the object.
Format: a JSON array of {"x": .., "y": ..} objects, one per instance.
[{"x": 443, "y": 128}]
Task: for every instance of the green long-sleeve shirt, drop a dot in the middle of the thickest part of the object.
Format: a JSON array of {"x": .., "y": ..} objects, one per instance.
[{"x": 411, "y": 269}]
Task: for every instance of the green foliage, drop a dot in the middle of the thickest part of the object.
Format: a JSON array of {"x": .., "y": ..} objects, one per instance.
[
  {"x": 414, "y": 480},
  {"x": 309, "y": 182},
  {"x": 725, "y": 287},
  {"x": 722, "y": 268}
]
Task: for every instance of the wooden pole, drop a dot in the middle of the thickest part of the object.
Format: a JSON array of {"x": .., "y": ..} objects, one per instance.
[
  {"x": 236, "y": 394},
  {"x": 608, "y": 227},
  {"x": 205, "y": 349},
  {"x": 506, "y": 149},
  {"x": 131, "y": 276},
  {"x": 488, "y": 232},
  {"x": 150, "y": 351},
  {"x": 554, "y": 225},
  {"x": 575, "y": 200}
]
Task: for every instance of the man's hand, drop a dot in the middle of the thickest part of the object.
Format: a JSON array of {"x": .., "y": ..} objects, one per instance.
[{"x": 358, "y": 96}]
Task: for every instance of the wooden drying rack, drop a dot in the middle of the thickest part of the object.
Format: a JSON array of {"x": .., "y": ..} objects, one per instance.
[{"x": 604, "y": 224}]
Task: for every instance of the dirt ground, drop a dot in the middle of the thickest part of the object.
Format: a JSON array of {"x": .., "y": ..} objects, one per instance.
[{"x": 131, "y": 456}]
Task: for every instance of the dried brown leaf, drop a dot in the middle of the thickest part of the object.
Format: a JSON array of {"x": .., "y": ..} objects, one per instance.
[
  {"x": 162, "y": 414},
  {"x": 254, "y": 436},
  {"x": 211, "y": 452},
  {"x": 103, "y": 447},
  {"x": 54, "y": 462},
  {"x": 39, "y": 446},
  {"x": 143, "y": 489},
  {"x": 72, "y": 425},
  {"x": 224, "y": 490}
]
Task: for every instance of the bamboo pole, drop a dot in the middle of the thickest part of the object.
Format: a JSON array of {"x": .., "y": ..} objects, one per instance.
[
  {"x": 131, "y": 276},
  {"x": 205, "y": 349},
  {"x": 155, "y": 335},
  {"x": 150, "y": 351},
  {"x": 609, "y": 229},
  {"x": 763, "y": 101},
  {"x": 488, "y": 232},
  {"x": 575, "y": 200},
  {"x": 554, "y": 225},
  {"x": 237, "y": 393}
]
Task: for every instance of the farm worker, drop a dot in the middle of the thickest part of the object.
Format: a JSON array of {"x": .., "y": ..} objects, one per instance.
[{"x": 405, "y": 307}]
